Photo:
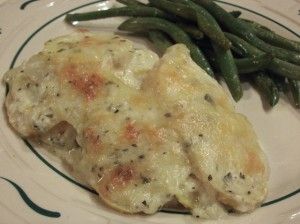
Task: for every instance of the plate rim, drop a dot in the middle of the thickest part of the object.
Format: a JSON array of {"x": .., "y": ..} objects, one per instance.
[{"x": 75, "y": 182}]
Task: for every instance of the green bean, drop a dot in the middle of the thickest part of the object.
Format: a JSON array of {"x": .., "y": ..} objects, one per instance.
[
  {"x": 275, "y": 39},
  {"x": 277, "y": 66},
  {"x": 177, "y": 34},
  {"x": 267, "y": 87},
  {"x": 229, "y": 71},
  {"x": 191, "y": 11},
  {"x": 252, "y": 23},
  {"x": 190, "y": 29},
  {"x": 124, "y": 11},
  {"x": 284, "y": 68},
  {"x": 236, "y": 51},
  {"x": 253, "y": 64},
  {"x": 241, "y": 29},
  {"x": 180, "y": 10},
  {"x": 223, "y": 61},
  {"x": 232, "y": 24},
  {"x": 280, "y": 82},
  {"x": 286, "y": 55},
  {"x": 160, "y": 40},
  {"x": 247, "y": 49},
  {"x": 210, "y": 27},
  {"x": 193, "y": 31},
  {"x": 244, "y": 65},
  {"x": 236, "y": 13},
  {"x": 131, "y": 2},
  {"x": 295, "y": 90},
  {"x": 212, "y": 59},
  {"x": 208, "y": 24}
]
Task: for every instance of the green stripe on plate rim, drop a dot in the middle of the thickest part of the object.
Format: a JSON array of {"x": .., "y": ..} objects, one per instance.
[
  {"x": 87, "y": 188},
  {"x": 24, "y": 5},
  {"x": 30, "y": 203}
]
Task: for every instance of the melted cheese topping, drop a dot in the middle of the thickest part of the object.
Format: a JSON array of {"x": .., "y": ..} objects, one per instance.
[{"x": 139, "y": 130}]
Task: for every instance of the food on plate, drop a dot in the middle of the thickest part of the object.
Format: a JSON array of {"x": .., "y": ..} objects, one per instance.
[
  {"x": 220, "y": 42},
  {"x": 139, "y": 129}
]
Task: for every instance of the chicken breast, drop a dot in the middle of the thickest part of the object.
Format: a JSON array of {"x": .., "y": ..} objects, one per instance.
[
  {"x": 140, "y": 130},
  {"x": 221, "y": 145}
]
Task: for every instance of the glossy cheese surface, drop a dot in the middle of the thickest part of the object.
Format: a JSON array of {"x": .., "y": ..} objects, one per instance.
[{"x": 138, "y": 129}]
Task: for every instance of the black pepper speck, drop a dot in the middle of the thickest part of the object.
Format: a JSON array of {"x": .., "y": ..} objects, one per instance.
[
  {"x": 168, "y": 115},
  {"x": 209, "y": 177},
  {"x": 145, "y": 180},
  {"x": 186, "y": 145},
  {"x": 227, "y": 177},
  {"x": 242, "y": 176},
  {"x": 208, "y": 98}
]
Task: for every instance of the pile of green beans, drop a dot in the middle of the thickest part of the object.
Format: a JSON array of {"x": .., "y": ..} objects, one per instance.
[{"x": 220, "y": 42}]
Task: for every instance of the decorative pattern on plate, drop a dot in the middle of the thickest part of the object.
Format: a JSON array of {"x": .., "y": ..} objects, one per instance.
[
  {"x": 23, "y": 6},
  {"x": 30, "y": 203}
]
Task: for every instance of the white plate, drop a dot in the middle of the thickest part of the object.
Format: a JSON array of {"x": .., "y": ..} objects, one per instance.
[{"x": 26, "y": 25}]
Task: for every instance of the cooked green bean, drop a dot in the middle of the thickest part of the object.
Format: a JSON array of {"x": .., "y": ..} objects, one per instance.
[
  {"x": 284, "y": 68},
  {"x": 209, "y": 25},
  {"x": 180, "y": 10},
  {"x": 277, "y": 66},
  {"x": 295, "y": 90},
  {"x": 267, "y": 87},
  {"x": 252, "y": 23},
  {"x": 241, "y": 29},
  {"x": 131, "y": 2},
  {"x": 211, "y": 57},
  {"x": 229, "y": 71},
  {"x": 223, "y": 61},
  {"x": 253, "y": 64},
  {"x": 193, "y": 31},
  {"x": 280, "y": 82},
  {"x": 159, "y": 40},
  {"x": 124, "y": 11},
  {"x": 232, "y": 24},
  {"x": 283, "y": 54},
  {"x": 177, "y": 34},
  {"x": 236, "y": 51},
  {"x": 191, "y": 11},
  {"x": 247, "y": 49},
  {"x": 275, "y": 39}
]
